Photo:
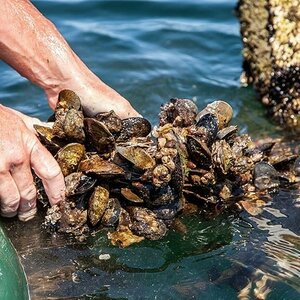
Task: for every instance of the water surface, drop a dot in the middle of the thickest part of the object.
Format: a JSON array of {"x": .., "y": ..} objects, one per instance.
[{"x": 151, "y": 51}]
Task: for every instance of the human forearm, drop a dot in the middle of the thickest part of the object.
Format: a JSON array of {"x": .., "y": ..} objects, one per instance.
[{"x": 33, "y": 46}]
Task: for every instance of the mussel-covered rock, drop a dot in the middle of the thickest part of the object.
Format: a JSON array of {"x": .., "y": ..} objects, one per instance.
[{"x": 118, "y": 177}]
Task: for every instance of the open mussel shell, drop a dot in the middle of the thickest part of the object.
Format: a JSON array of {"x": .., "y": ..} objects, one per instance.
[
  {"x": 265, "y": 176},
  {"x": 77, "y": 183},
  {"x": 98, "y": 204},
  {"x": 210, "y": 122},
  {"x": 99, "y": 136},
  {"x": 137, "y": 156},
  {"x": 68, "y": 99},
  {"x": 101, "y": 167},
  {"x": 69, "y": 157},
  {"x": 227, "y": 133},
  {"x": 134, "y": 127},
  {"x": 47, "y": 138},
  {"x": 110, "y": 120},
  {"x": 221, "y": 109}
]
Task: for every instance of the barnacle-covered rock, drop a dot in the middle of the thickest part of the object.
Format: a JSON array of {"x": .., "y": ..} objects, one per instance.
[{"x": 271, "y": 35}]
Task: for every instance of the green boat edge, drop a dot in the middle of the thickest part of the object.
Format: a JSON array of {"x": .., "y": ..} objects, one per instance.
[{"x": 13, "y": 283}]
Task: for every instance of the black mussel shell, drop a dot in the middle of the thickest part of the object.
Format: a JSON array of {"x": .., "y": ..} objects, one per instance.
[
  {"x": 99, "y": 136},
  {"x": 145, "y": 223},
  {"x": 198, "y": 151},
  {"x": 227, "y": 133},
  {"x": 111, "y": 120},
  {"x": 134, "y": 127},
  {"x": 167, "y": 212},
  {"x": 163, "y": 196},
  {"x": 112, "y": 213},
  {"x": 265, "y": 176},
  {"x": 78, "y": 183},
  {"x": 210, "y": 122}
]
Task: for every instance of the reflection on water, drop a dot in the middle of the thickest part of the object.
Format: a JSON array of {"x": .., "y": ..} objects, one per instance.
[{"x": 225, "y": 257}]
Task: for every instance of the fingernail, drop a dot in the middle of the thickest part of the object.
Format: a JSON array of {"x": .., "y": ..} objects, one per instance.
[{"x": 28, "y": 215}]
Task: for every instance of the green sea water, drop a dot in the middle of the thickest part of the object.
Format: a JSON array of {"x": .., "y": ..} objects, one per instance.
[{"x": 150, "y": 51}]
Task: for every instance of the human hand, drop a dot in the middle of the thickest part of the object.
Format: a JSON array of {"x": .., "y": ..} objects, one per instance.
[
  {"x": 94, "y": 94},
  {"x": 21, "y": 151}
]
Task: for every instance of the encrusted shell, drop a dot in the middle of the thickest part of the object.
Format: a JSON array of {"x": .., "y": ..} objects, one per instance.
[
  {"x": 137, "y": 156},
  {"x": 134, "y": 127},
  {"x": 99, "y": 166},
  {"x": 69, "y": 157},
  {"x": 97, "y": 204}
]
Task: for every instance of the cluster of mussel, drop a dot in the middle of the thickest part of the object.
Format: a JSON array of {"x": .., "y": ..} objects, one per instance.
[{"x": 119, "y": 176}]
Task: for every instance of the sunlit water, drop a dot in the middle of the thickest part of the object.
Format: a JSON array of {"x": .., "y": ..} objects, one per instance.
[{"x": 151, "y": 51}]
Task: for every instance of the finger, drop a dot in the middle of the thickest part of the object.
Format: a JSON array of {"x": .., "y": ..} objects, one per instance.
[
  {"x": 46, "y": 167},
  {"x": 9, "y": 195},
  {"x": 22, "y": 176}
]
